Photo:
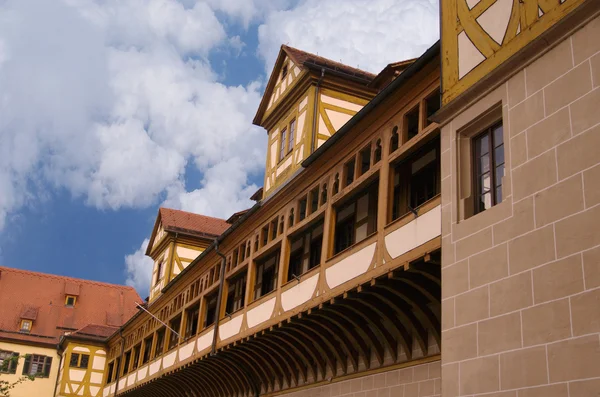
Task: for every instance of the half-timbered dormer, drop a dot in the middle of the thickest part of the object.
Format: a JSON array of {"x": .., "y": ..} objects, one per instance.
[
  {"x": 177, "y": 239},
  {"x": 307, "y": 99}
]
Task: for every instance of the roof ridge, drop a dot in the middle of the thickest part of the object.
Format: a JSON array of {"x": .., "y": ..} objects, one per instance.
[
  {"x": 328, "y": 59},
  {"x": 66, "y": 278}
]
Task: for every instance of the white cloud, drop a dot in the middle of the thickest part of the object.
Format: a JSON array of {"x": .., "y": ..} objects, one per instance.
[
  {"x": 364, "y": 33},
  {"x": 138, "y": 269}
]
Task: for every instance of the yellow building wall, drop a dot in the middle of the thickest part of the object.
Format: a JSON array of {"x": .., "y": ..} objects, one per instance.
[
  {"x": 479, "y": 35},
  {"x": 175, "y": 257},
  {"x": 79, "y": 381},
  {"x": 40, "y": 387},
  {"x": 334, "y": 109}
]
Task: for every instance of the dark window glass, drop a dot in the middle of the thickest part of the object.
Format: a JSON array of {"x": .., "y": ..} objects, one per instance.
[
  {"x": 302, "y": 208},
  {"x": 84, "y": 361},
  {"x": 211, "y": 310},
  {"x": 125, "y": 369},
  {"x": 74, "y": 361},
  {"x": 266, "y": 274},
  {"x": 433, "y": 104},
  {"x": 488, "y": 158},
  {"x": 135, "y": 358},
  {"x": 357, "y": 218},
  {"x": 291, "y": 135},
  {"x": 416, "y": 180},
  {"x": 160, "y": 342},
  {"x": 282, "y": 144},
  {"x": 109, "y": 375},
  {"x": 365, "y": 159},
  {"x": 147, "y": 350},
  {"x": 395, "y": 140},
  {"x": 305, "y": 250},
  {"x": 175, "y": 325},
  {"x": 377, "y": 156},
  {"x": 314, "y": 199},
  {"x": 236, "y": 293},
  {"x": 349, "y": 172},
  {"x": 412, "y": 123},
  {"x": 8, "y": 362},
  {"x": 191, "y": 321}
]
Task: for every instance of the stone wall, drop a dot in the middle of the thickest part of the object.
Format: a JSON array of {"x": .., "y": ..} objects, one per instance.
[
  {"x": 521, "y": 281},
  {"x": 418, "y": 381}
]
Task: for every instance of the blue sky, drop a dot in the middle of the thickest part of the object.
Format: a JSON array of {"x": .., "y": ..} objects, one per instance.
[{"x": 110, "y": 109}]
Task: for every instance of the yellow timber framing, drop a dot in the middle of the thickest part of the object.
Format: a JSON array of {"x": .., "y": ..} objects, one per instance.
[
  {"x": 456, "y": 17},
  {"x": 376, "y": 125}
]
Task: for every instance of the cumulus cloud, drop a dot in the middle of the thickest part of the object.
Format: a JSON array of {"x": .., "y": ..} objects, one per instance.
[
  {"x": 138, "y": 269},
  {"x": 112, "y": 100},
  {"x": 364, "y": 33}
]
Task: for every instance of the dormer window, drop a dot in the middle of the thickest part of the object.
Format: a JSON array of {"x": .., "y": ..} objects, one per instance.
[
  {"x": 26, "y": 326},
  {"x": 70, "y": 300},
  {"x": 284, "y": 71}
]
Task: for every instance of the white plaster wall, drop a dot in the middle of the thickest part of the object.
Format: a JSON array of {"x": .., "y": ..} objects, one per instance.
[
  {"x": 416, "y": 232},
  {"x": 350, "y": 267},
  {"x": 231, "y": 327},
  {"x": 300, "y": 293},
  {"x": 260, "y": 313}
]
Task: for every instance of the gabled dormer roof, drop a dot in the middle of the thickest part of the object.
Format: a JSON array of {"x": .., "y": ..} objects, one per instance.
[
  {"x": 187, "y": 223},
  {"x": 304, "y": 61}
]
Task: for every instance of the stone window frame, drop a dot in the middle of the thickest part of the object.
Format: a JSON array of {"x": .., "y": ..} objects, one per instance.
[{"x": 464, "y": 152}]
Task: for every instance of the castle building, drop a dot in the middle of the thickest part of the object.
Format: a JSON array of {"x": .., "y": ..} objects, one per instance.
[
  {"x": 433, "y": 230},
  {"x": 38, "y": 312}
]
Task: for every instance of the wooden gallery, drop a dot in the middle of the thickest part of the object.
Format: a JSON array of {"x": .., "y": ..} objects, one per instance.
[{"x": 408, "y": 240}]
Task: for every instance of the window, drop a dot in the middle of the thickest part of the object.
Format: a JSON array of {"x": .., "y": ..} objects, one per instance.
[
  {"x": 291, "y": 135},
  {"x": 356, "y": 219},
  {"x": 282, "y": 144},
  {"x": 109, "y": 374},
  {"x": 416, "y": 180},
  {"x": 302, "y": 208},
  {"x": 136, "y": 357},
  {"x": 266, "y": 274},
  {"x": 365, "y": 159},
  {"x": 377, "y": 153},
  {"x": 26, "y": 326},
  {"x": 432, "y": 104},
  {"x": 291, "y": 218},
  {"x": 147, "y": 349},
  {"x": 38, "y": 366},
  {"x": 336, "y": 184},
  {"x": 284, "y": 71},
  {"x": 8, "y": 362},
  {"x": 349, "y": 172},
  {"x": 488, "y": 158},
  {"x": 235, "y": 257},
  {"x": 274, "y": 228},
  {"x": 70, "y": 301},
  {"x": 192, "y": 315},
  {"x": 314, "y": 199},
  {"x": 126, "y": 362},
  {"x": 160, "y": 342},
  {"x": 394, "y": 140},
  {"x": 324, "y": 194},
  {"x": 175, "y": 325},
  {"x": 79, "y": 360},
  {"x": 305, "y": 250},
  {"x": 160, "y": 270},
  {"x": 210, "y": 311},
  {"x": 411, "y": 123},
  {"x": 265, "y": 235},
  {"x": 236, "y": 293}
]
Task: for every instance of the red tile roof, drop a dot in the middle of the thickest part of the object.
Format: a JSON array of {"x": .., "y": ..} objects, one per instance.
[
  {"x": 182, "y": 221},
  {"x": 302, "y": 57},
  {"x": 40, "y": 295}
]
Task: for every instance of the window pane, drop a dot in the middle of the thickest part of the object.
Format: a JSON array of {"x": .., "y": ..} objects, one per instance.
[
  {"x": 484, "y": 164},
  {"x": 486, "y": 201},
  {"x": 499, "y": 194},
  {"x": 499, "y": 174},
  {"x": 485, "y": 183},
  {"x": 483, "y": 145},
  {"x": 498, "y": 137},
  {"x": 499, "y": 155}
]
